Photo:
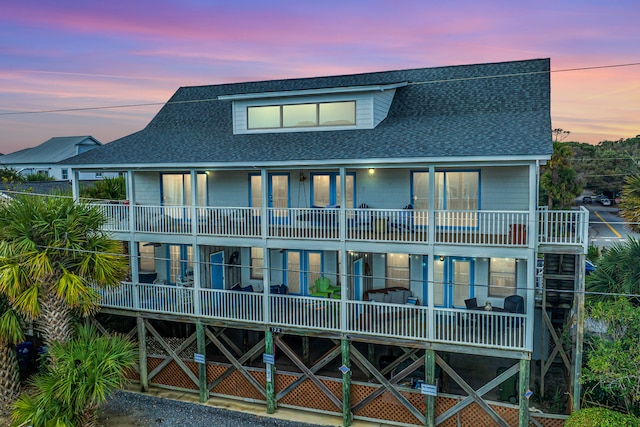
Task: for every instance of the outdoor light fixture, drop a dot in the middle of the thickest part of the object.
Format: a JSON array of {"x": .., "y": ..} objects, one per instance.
[{"x": 372, "y": 171}]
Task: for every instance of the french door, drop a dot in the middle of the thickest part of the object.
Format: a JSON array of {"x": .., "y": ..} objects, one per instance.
[
  {"x": 302, "y": 268},
  {"x": 180, "y": 262},
  {"x": 278, "y": 196},
  {"x": 453, "y": 281}
]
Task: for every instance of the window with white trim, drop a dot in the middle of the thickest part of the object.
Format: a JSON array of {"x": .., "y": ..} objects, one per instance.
[
  {"x": 342, "y": 113},
  {"x": 257, "y": 263},
  {"x": 397, "y": 270},
  {"x": 325, "y": 189},
  {"x": 146, "y": 257},
  {"x": 502, "y": 277}
]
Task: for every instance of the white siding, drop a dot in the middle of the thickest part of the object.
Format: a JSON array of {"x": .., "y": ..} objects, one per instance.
[{"x": 381, "y": 103}]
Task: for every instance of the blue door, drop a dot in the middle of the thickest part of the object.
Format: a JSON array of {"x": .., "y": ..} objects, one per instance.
[
  {"x": 357, "y": 279},
  {"x": 217, "y": 270}
]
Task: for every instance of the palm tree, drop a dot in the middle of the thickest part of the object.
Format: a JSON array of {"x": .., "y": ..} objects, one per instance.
[
  {"x": 559, "y": 180},
  {"x": 106, "y": 189},
  {"x": 630, "y": 202},
  {"x": 617, "y": 273},
  {"x": 10, "y": 335},
  {"x": 53, "y": 253},
  {"x": 88, "y": 369}
]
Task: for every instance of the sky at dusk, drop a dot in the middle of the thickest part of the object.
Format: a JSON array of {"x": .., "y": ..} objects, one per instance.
[{"x": 75, "y": 55}]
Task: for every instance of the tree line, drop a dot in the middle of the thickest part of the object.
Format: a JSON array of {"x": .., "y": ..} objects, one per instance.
[{"x": 604, "y": 168}]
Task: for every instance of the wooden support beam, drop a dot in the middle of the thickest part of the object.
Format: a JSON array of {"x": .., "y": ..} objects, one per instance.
[
  {"x": 236, "y": 363},
  {"x": 201, "y": 345},
  {"x": 300, "y": 364},
  {"x": 430, "y": 378},
  {"x": 172, "y": 354},
  {"x": 347, "y": 416},
  {"x": 523, "y": 413},
  {"x": 556, "y": 340},
  {"x": 406, "y": 353},
  {"x": 94, "y": 322},
  {"x": 474, "y": 395},
  {"x": 257, "y": 349},
  {"x": 270, "y": 372},
  {"x": 306, "y": 354},
  {"x": 371, "y": 354},
  {"x": 580, "y": 313},
  {"x": 142, "y": 353},
  {"x": 386, "y": 386},
  {"x": 321, "y": 363}
]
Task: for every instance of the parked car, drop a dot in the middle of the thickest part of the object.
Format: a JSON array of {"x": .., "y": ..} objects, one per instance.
[
  {"x": 605, "y": 202},
  {"x": 587, "y": 200}
]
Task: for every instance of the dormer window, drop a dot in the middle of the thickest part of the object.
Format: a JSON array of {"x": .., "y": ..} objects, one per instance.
[
  {"x": 312, "y": 110},
  {"x": 341, "y": 113}
]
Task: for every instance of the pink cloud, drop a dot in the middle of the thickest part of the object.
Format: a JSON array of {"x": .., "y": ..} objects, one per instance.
[{"x": 71, "y": 53}]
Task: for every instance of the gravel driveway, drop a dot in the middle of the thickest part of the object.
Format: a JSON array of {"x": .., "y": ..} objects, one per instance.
[{"x": 139, "y": 410}]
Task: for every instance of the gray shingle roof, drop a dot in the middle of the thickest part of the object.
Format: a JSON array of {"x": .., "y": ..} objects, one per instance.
[
  {"x": 486, "y": 110},
  {"x": 51, "y": 151}
]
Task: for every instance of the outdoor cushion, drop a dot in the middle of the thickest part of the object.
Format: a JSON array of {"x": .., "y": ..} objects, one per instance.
[
  {"x": 397, "y": 297},
  {"x": 377, "y": 296}
]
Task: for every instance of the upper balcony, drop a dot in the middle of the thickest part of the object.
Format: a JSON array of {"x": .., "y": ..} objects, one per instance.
[{"x": 481, "y": 227}]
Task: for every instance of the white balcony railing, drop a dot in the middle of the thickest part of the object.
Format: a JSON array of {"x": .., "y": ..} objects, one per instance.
[
  {"x": 563, "y": 227},
  {"x": 231, "y": 305},
  {"x": 482, "y": 228},
  {"x": 399, "y": 321},
  {"x": 305, "y": 312}
]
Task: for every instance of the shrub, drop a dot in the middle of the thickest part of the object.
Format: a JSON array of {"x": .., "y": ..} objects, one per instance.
[
  {"x": 106, "y": 189},
  {"x": 601, "y": 417},
  {"x": 81, "y": 374},
  {"x": 38, "y": 177}
]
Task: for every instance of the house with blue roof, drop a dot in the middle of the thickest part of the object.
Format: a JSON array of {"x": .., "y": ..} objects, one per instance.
[
  {"x": 371, "y": 236},
  {"x": 42, "y": 159}
]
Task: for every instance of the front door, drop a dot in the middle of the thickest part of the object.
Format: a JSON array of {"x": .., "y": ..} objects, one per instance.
[
  {"x": 302, "y": 268},
  {"x": 357, "y": 279},
  {"x": 217, "y": 270},
  {"x": 180, "y": 262},
  {"x": 279, "y": 197},
  {"x": 453, "y": 281}
]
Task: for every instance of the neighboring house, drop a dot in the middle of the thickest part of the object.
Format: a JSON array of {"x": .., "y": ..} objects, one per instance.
[
  {"x": 10, "y": 189},
  {"x": 43, "y": 158},
  {"x": 361, "y": 228}
]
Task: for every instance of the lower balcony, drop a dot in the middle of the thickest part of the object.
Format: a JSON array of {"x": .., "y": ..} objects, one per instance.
[
  {"x": 480, "y": 328},
  {"x": 485, "y": 228}
]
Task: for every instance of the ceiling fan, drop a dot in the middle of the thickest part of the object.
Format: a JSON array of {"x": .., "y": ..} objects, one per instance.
[{"x": 154, "y": 244}]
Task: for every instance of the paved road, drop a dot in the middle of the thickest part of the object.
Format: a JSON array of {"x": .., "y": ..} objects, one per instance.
[{"x": 605, "y": 226}]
